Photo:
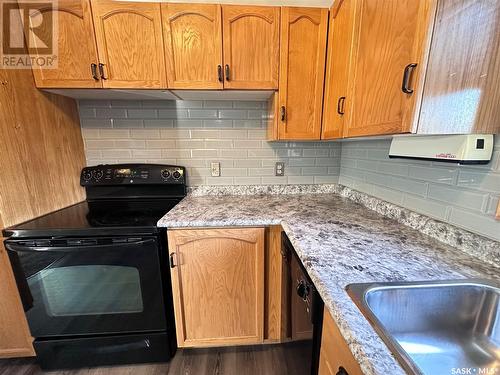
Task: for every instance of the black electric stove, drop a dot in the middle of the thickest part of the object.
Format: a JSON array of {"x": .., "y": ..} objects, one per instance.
[{"x": 94, "y": 277}]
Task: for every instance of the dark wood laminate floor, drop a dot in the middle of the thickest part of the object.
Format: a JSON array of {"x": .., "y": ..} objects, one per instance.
[{"x": 258, "y": 360}]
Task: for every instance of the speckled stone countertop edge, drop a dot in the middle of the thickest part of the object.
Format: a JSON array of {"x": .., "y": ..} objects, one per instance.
[
  {"x": 347, "y": 221},
  {"x": 486, "y": 249}
]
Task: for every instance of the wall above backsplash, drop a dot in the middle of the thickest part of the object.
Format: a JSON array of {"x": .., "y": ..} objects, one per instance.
[
  {"x": 465, "y": 196},
  {"x": 196, "y": 133}
]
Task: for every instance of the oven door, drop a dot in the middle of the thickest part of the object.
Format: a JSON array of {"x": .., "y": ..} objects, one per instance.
[{"x": 89, "y": 286}]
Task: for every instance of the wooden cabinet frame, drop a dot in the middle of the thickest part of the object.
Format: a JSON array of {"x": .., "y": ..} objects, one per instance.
[
  {"x": 103, "y": 11},
  {"x": 395, "y": 111},
  {"x": 340, "y": 34},
  {"x": 335, "y": 352},
  {"x": 203, "y": 24},
  {"x": 305, "y": 118},
  {"x": 16, "y": 341},
  {"x": 79, "y": 46},
  {"x": 191, "y": 284},
  {"x": 268, "y": 49}
]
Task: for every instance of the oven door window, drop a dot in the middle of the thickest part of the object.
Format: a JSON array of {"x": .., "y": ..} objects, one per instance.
[
  {"x": 71, "y": 291},
  {"x": 86, "y": 290}
]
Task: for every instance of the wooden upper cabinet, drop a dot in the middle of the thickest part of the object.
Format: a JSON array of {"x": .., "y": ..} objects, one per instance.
[
  {"x": 462, "y": 83},
  {"x": 251, "y": 46},
  {"x": 130, "y": 44},
  {"x": 302, "y": 69},
  {"x": 218, "y": 286},
  {"x": 337, "y": 69},
  {"x": 76, "y": 47},
  {"x": 193, "y": 45},
  {"x": 389, "y": 37}
]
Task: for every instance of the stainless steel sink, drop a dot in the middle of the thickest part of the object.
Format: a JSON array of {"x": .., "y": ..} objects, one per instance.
[{"x": 436, "y": 328}]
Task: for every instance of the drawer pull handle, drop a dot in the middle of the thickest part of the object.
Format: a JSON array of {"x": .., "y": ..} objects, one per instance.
[
  {"x": 406, "y": 78},
  {"x": 93, "y": 69},
  {"x": 219, "y": 73},
  {"x": 172, "y": 261},
  {"x": 101, "y": 71},
  {"x": 340, "y": 105}
]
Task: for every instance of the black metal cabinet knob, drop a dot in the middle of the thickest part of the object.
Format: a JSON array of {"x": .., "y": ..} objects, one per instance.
[
  {"x": 227, "y": 72},
  {"x": 283, "y": 113},
  {"x": 342, "y": 371},
  {"x": 93, "y": 69},
  {"x": 406, "y": 78},
  {"x": 303, "y": 290}
]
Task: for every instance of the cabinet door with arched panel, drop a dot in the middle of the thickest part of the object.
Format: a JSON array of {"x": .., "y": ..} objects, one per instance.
[
  {"x": 222, "y": 270},
  {"x": 302, "y": 72},
  {"x": 130, "y": 44},
  {"x": 193, "y": 45},
  {"x": 76, "y": 54},
  {"x": 251, "y": 46}
]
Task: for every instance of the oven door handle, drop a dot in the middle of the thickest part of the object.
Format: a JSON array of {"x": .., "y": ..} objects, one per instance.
[{"x": 13, "y": 247}]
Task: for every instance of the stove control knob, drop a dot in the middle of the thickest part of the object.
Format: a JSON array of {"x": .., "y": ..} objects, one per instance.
[
  {"x": 98, "y": 174},
  {"x": 165, "y": 174},
  {"x": 87, "y": 175},
  {"x": 176, "y": 175}
]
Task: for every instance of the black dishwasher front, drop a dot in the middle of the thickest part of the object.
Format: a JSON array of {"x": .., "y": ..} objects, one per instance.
[{"x": 305, "y": 313}]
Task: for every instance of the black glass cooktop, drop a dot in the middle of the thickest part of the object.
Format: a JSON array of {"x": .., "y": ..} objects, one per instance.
[{"x": 97, "y": 218}]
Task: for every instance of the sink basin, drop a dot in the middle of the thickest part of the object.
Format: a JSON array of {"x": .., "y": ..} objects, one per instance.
[{"x": 436, "y": 328}]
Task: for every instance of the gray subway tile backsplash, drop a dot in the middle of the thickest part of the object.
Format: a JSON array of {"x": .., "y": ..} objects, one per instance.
[
  {"x": 462, "y": 195},
  {"x": 195, "y": 133}
]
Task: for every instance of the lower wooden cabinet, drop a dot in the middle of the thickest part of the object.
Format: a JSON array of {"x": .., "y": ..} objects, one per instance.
[
  {"x": 15, "y": 337},
  {"x": 335, "y": 354},
  {"x": 218, "y": 286}
]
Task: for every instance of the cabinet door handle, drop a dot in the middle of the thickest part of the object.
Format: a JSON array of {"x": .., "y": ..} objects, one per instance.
[
  {"x": 282, "y": 113},
  {"x": 340, "y": 105},
  {"x": 172, "y": 261},
  {"x": 219, "y": 73},
  {"x": 101, "y": 71},
  {"x": 342, "y": 371},
  {"x": 227, "y": 72},
  {"x": 406, "y": 78},
  {"x": 93, "y": 69}
]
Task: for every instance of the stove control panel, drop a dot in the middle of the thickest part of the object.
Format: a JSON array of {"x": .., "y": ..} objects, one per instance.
[{"x": 129, "y": 174}]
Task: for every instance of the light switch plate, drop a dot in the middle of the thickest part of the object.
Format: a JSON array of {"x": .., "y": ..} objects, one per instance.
[
  {"x": 215, "y": 169},
  {"x": 279, "y": 169}
]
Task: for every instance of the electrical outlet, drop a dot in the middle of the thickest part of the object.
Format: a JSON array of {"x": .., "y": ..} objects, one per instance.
[
  {"x": 215, "y": 169},
  {"x": 279, "y": 169}
]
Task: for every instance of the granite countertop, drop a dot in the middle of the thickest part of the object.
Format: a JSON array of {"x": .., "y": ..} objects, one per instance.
[{"x": 340, "y": 242}]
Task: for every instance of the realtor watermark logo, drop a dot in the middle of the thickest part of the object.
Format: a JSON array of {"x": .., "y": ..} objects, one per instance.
[{"x": 29, "y": 34}]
